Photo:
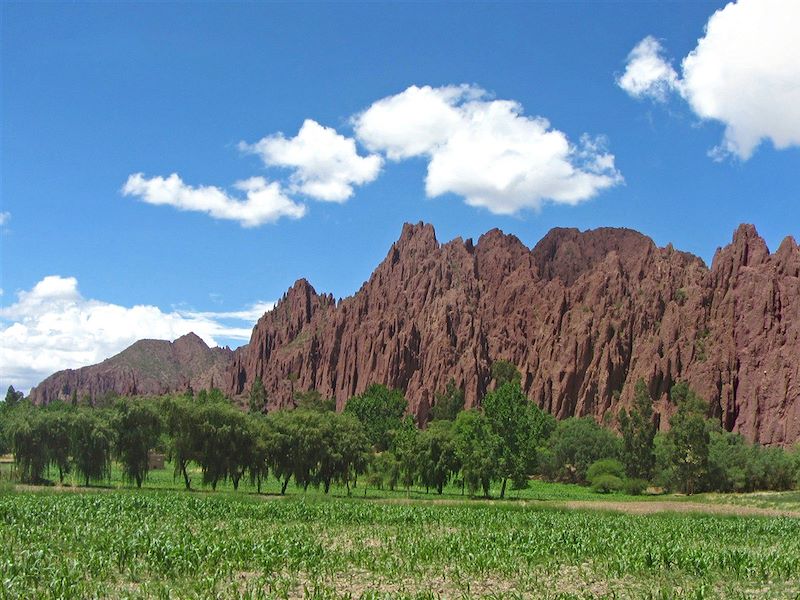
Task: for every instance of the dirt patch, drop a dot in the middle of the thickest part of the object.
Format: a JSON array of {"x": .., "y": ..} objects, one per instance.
[{"x": 651, "y": 507}]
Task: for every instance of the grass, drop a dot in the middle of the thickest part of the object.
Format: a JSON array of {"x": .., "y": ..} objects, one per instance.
[
  {"x": 163, "y": 480},
  {"x": 170, "y": 544}
]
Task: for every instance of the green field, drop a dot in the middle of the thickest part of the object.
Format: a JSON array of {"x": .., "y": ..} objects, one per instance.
[
  {"x": 163, "y": 479},
  {"x": 172, "y": 544}
]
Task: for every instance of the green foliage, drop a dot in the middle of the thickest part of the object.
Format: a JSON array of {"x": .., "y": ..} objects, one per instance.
[
  {"x": 689, "y": 438},
  {"x": 605, "y": 466},
  {"x": 634, "y": 487},
  {"x": 449, "y": 403},
  {"x": 406, "y": 446},
  {"x": 575, "y": 444},
  {"x": 28, "y": 435},
  {"x": 510, "y": 418},
  {"x": 92, "y": 440},
  {"x": 137, "y": 427},
  {"x": 380, "y": 410},
  {"x": 58, "y": 423},
  {"x": 477, "y": 449},
  {"x": 504, "y": 372},
  {"x": 638, "y": 432},
  {"x": 257, "y": 399},
  {"x": 605, "y": 484},
  {"x": 343, "y": 450},
  {"x": 438, "y": 462},
  {"x": 13, "y": 397},
  {"x": 223, "y": 443},
  {"x": 313, "y": 400},
  {"x": 182, "y": 425}
]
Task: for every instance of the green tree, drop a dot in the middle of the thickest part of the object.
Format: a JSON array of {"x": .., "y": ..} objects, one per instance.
[
  {"x": 92, "y": 440},
  {"x": 58, "y": 424},
  {"x": 183, "y": 427},
  {"x": 225, "y": 443},
  {"x": 257, "y": 400},
  {"x": 438, "y": 459},
  {"x": 313, "y": 400},
  {"x": 575, "y": 444},
  {"x": 342, "y": 450},
  {"x": 137, "y": 427},
  {"x": 406, "y": 448},
  {"x": 510, "y": 417},
  {"x": 380, "y": 410},
  {"x": 689, "y": 437},
  {"x": 477, "y": 449},
  {"x": 638, "y": 432},
  {"x": 449, "y": 403},
  {"x": 262, "y": 450},
  {"x": 13, "y": 397},
  {"x": 28, "y": 435},
  {"x": 504, "y": 372}
]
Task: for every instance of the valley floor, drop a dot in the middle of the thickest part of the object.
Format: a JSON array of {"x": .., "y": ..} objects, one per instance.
[{"x": 548, "y": 541}]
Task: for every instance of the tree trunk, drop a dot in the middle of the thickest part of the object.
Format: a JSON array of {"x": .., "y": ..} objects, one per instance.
[
  {"x": 284, "y": 486},
  {"x": 186, "y": 481},
  {"x": 327, "y": 486},
  {"x": 139, "y": 482},
  {"x": 503, "y": 488},
  {"x": 235, "y": 482}
]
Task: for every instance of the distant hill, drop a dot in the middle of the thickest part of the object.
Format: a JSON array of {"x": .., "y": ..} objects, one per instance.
[{"x": 146, "y": 367}]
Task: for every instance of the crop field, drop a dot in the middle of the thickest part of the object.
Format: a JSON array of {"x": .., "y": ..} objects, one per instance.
[{"x": 172, "y": 544}]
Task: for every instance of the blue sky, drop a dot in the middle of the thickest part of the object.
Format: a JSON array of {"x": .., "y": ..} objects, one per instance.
[{"x": 95, "y": 93}]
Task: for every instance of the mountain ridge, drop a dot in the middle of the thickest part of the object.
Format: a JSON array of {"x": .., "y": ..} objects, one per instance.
[{"x": 581, "y": 314}]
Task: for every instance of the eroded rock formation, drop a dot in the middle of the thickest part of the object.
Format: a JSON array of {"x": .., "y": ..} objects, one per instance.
[{"x": 583, "y": 315}]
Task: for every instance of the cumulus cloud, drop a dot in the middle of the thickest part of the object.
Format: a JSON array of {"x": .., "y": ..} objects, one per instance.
[
  {"x": 4, "y": 218},
  {"x": 648, "y": 74},
  {"x": 485, "y": 150},
  {"x": 263, "y": 202},
  {"x": 743, "y": 73},
  {"x": 52, "y": 327},
  {"x": 326, "y": 164}
]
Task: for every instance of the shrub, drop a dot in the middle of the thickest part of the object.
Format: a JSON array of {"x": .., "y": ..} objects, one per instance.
[
  {"x": 605, "y": 466},
  {"x": 605, "y": 484},
  {"x": 634, "y": 487},
  {"x": 576, "y": 443}
]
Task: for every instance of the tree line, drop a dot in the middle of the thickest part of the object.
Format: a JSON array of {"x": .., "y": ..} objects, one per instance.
[{"x": 374, "y": 442}]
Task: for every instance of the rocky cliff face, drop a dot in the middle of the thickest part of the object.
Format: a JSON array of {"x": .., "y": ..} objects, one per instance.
[
  {"x": 582, "y": 315},
  {"x": 146, "y": 367}
]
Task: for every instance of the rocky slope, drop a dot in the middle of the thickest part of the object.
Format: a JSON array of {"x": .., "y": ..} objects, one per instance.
[
  {"x": 583, "y": 315},
  {"x": 146, "y": 367}
]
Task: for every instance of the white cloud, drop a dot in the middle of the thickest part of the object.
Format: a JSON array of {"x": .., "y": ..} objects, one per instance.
[
  {"x": 413, "y": 122},
  {"x": 326, "y": 164},
  {"x": 264, "y": 201},
  {"x": 5, "y": 217},
  {"x": 485, "y": 150},
  {"x": 647, "y": 73},
  {"x": 53, "y": 327},
  {"x": 745, "y": 73}
]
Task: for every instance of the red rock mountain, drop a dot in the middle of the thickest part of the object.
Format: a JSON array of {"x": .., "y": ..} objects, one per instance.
[
  {"x": 582, "y": 315},
  {"x": 146, "y": 367}
]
